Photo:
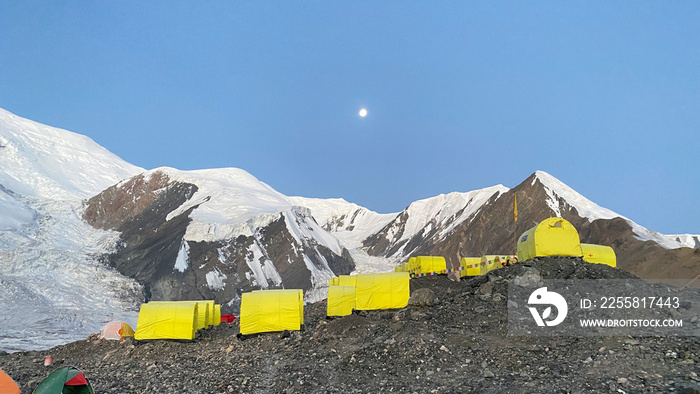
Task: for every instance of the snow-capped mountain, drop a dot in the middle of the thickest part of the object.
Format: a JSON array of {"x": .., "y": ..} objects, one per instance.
[
  {"x": 86, "y": 237},
  {"x": 428, "y": 221},
  {"x": 351, "y": 224},
  {"x": 52, "y": 288},
  {"x": 213, "y": 234},
  {"x": 492, "y": 230}
]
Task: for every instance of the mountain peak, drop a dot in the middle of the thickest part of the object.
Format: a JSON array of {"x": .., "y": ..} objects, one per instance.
[
  {"x": 43, "y": 161},
  {"x": 557, "y": 190}
]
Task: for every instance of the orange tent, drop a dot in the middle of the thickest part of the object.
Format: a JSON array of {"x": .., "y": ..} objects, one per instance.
[
  {"x": 7, "y": 385},
  {"x": 116, "y": 330}
]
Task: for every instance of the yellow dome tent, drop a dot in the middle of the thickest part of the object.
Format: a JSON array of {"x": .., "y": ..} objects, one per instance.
[
  {"x": 382, "y": 291},
  {"x": 167, "y": 320},
  {"x": 271, "y": 310},
  {"x": 341, "y": 300},
  {"x": 599, "y": 254},
  {"x": 551, "y": 237}
]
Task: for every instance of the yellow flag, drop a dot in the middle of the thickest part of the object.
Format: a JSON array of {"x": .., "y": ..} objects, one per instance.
[{"x": 515, "y": 208}]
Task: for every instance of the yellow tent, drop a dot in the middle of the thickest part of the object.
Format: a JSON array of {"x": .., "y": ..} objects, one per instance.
[
  {"x": 341, "y": 300},
  {"x": 489, "y": 262},
  {"x": 552, "y": 237},
  {"x": 205, "y": 311},
  {"x": 599, "y": 254},
  {"x": 427, "y": 264},
  {"x": 333, "y": 281},
  {"x": 271, "y": 310},
  {"x": 382, "y": 291},
  {"x": 404, "y": 266},
  {"x": 167, "y": 320},
  {"x": 217, "y": 314},
  {"x": 412, "y": 265},
  {"x": 471, "y": 265},
  {"x": 347, "y": 280}
]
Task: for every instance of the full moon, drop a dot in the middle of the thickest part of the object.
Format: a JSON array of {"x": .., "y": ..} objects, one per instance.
[{"x": 363, "y": 112}]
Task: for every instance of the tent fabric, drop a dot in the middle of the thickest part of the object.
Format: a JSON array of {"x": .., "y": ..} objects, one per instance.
[
  {"x": 167, "y": 320},
  {"x": 341, "y": 300},
  {"x": 551, "y": 237},
  {"x": 205, "y": 310},
  {"x": 217, "y": 314},
  {"x": 382, "y": 291},
  {"x": 427, "y": 264},
  {"x": 493, "y": 262},
  {"x": 271, "y": 310},
  {"x": 65, "y": 380},
  {"x": 333, "y": 281},
  {"x": 347, "y": 280},
  {"x": 116, "y": 330},
  {"x": 7, "y": 385},
  {"x": 471, "y": 265},
  {"x": 412, "y": 265},
  {"x": 599, "y": 254}
]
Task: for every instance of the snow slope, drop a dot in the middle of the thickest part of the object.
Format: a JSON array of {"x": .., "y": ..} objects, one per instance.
[
  {"x": 232, "y": 202},
  {"x": 52, "y": 289},
  {"x": 42, "y": 161},
  {"x": 350, "y": 224}
]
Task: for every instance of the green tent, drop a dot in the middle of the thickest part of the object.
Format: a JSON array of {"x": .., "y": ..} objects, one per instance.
[{"x": 66, "y": 380}]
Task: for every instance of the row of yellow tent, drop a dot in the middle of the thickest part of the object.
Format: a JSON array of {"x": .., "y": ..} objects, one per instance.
[
  {"x": 551, "y": 237},
  {"x": 176, "y": 319},
  {"x": 468, "y": 266},
  {"x": 280, "y": 310},
  {"x": 367, "y": 292}
]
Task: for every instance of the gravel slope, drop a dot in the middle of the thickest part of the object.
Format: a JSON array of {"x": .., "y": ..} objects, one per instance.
[{"x": 457, "y": 344}]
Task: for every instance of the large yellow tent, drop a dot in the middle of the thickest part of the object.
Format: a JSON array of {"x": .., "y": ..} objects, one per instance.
[
  {"x": 333, "y": 281},
  {"x": 271, "y": 310},
  {"x": 471, "y": 266},
  {"x": 430, "y": 264},
  {"x": 341, "y": 300},
  {"x": 205, "y": 311},
  {"x": 412, "y": 265},
  {"x": 347, "y": 280},
  {"x": 551, "y": 237},
  {"x": 382, "y": 291},
  {"x": 167, "y": 320},
  {"x": 599, "y": 254}
]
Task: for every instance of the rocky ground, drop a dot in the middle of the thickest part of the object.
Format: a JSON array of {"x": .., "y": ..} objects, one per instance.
[{"x": 457, "y": 342}]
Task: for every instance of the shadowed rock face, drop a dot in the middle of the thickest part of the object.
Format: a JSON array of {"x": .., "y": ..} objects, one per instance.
[
  {"x": 492, "y": 230},
  {"x": 150, "y": 245}
]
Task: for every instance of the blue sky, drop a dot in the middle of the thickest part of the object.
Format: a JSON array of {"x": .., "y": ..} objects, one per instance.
[{"x": 603, "y": 95}]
